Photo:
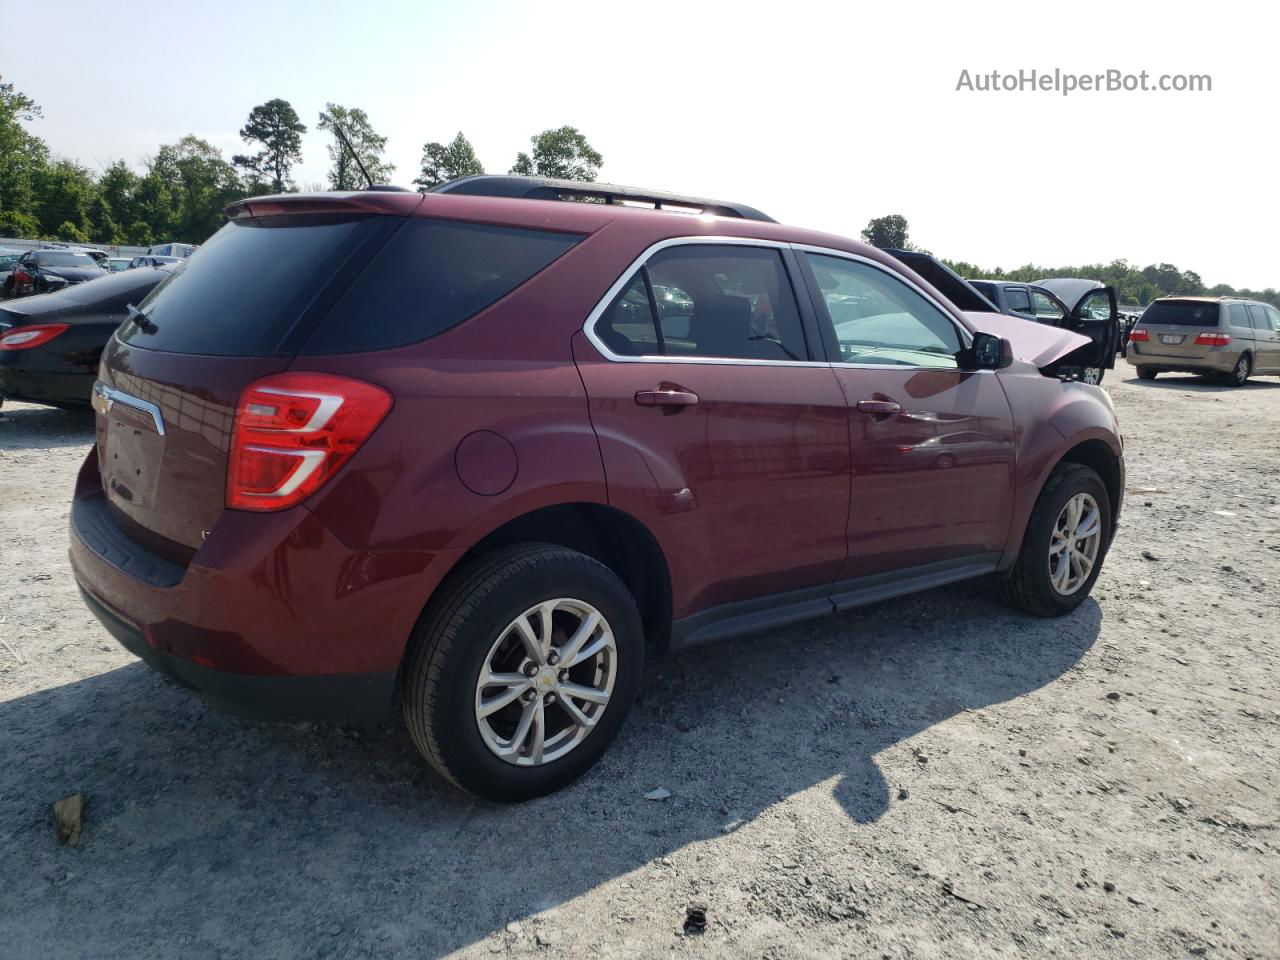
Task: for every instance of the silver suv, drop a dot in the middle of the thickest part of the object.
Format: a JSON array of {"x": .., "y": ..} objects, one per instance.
[{"x": 1223, "y": 337}]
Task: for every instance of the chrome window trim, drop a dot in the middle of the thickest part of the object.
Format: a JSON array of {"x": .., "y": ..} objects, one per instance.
[
  {"x": 104, "y": 397},
  {"x": 629, "y": 274},
  {"x": 588, "y": 328}
]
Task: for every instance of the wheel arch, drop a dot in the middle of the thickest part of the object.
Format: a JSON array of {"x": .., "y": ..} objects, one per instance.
[{"x": 612, "y": 536}]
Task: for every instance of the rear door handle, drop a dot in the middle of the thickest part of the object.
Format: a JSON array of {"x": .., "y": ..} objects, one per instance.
[
  {"x": 666, "y": 397},
  {"x": 879, "y": 408}
]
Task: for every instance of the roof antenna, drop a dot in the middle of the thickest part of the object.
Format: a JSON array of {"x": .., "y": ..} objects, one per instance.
[{"x": 337, "y": 128}]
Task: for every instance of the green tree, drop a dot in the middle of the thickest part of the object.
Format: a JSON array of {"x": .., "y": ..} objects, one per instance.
[
  {"x": 64, "y": 192},
  {"x": 139, "y": 234},
  {"x": 69, "y": 232},
  {"x": 562, "y": 154},
  {"x": 886, "y": 232},
  {"x": 22, "y": 154},
  {"x": 14, "y": 223},
  {"x": 368, "y": 144},
  {"x": 118, "y": 186},
  {"x": 442, "y": 163},
  {"x": 185, "y": 189},
  {"x": 275, "y": 125}
]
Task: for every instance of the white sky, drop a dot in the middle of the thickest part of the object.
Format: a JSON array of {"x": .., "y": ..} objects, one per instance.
[{"x": 823, "y": 115}]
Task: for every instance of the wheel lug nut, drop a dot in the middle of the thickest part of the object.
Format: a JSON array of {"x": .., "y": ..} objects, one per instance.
[
  {"x": 550, "y": 698},
  {"x": 564, "y": 675},
  {"x": 529, "y": 696},
  {"x": 531, "y": 670},
  {"x": 554, "y": 658}
]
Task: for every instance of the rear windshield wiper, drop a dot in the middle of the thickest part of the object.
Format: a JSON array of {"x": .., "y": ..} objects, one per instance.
[{"x": 140, "y": 319}]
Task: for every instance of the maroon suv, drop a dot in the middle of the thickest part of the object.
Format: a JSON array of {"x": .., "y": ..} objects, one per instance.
[{"x": 478, "y": 456}]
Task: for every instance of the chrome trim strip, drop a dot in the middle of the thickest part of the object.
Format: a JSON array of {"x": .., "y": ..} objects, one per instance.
[
  {"x": 110, "y": 395},
  {"x": 588, "y": 328}
]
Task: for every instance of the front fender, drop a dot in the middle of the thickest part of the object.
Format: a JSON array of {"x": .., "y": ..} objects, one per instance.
[{"x": 1052, "y": 417}]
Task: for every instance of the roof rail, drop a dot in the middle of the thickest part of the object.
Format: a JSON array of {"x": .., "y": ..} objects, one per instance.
[{"x": 542, "y": 188}]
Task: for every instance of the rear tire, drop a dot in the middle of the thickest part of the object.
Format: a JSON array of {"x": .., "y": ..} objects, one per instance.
[
  {"x": 471, "y": 626},
  {"x": 1239, "y": 375},
  {"x": 1030, "y": 584},
  {"x": 1146, "y": 373}
]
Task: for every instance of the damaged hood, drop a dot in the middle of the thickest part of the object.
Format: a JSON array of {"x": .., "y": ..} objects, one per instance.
[{"x": 1036, "y": 343}]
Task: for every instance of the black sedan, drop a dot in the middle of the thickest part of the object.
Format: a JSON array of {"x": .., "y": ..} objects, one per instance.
[
  {"x": 50, "y": 344},
  {"x": 46, "y": 271}
]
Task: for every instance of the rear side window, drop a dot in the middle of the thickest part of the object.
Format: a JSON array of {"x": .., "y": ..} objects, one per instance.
[
  {"x": 1183, "y": 313},
  {"x": 245, "y": 288},
  {"x": 1259, "y": 317},
  {"x": 1017, "y": 299},
  {"x": 1238, "y": 316},
  {"x": 703, "y": 300},
  {"x": 430, "y": 276}
]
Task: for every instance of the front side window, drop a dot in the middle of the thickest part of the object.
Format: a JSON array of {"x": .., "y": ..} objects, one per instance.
[
  {"x": 1017, "y": 299},
  {"x": 1045, "y": 308},
  {"x": 879, "y": 319},
  {"x": 1273, "y": 315},
  {"x": 703, "y": 300},
  {"x": 1096, "y": 306}
]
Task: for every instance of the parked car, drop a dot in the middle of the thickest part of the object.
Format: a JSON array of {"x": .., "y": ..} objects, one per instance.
[
  {"x": 148, "y": 260},
  {"x": 7, "y": 259},
  {"x": 50, "y": 344},
  {"x": 1223, "y": 337},
  {"x": 179, "y": 251},
  {"x": 44, "y": 271},
  {"x": 1087, "y": 307},
  {"x": 117, "y": 264},
  {"x": 1088, "y": 363},
  {"x": 479, "y": 471}
]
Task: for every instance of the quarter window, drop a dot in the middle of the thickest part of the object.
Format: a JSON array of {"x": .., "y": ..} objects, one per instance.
[
  {"x": 727, "y": 302},
  {"x": 879, "y": 319}
]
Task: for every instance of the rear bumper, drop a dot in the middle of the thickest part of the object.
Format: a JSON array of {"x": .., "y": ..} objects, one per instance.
[
  {"x": 1215, "y": 361},
  {"x": 347, "y": 698},
  {"x": 273, "y": 618},
  {"x": 43, "y": 386}
]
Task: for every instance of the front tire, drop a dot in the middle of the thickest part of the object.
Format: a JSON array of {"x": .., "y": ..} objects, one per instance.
[
  {"x": 522, "y": 671},
  {"x": 1064, "y": 544}
]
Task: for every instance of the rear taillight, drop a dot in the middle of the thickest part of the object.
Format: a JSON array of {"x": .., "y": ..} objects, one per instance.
[
  {"x": 293, "y": 431},
  {"x": 21, "y": 276},
  {"x": 1138, "y": 336},
  {"x": 1213, "y": 339},
  {"x": 28, "y": 338}
]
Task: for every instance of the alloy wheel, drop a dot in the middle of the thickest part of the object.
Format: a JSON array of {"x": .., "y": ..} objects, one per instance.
[
  {"x": 546, "y": 682},
  {"x": 1075, "y": 544}
]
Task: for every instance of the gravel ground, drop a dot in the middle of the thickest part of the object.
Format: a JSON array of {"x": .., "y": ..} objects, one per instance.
[{"x": 928, "y": 777}]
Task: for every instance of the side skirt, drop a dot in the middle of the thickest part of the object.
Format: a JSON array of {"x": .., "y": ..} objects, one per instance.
[{"x": 782, "y": 609}]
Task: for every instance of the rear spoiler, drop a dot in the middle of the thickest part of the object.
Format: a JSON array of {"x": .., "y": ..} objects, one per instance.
[
  {"x": 395, "y": 203},
  {"x": 945, "y": 280}
]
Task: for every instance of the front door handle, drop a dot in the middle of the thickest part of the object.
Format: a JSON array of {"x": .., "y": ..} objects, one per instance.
[
  {"x": 676, "y": 397},
  {"x": 879, "y": 408}
]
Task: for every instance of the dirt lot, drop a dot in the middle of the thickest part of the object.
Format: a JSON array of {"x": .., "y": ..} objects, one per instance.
[{"x": 925, "y": 778}]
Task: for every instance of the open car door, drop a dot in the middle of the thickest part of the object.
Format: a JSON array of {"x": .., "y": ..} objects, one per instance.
[{"x": 1093, "y": 312}]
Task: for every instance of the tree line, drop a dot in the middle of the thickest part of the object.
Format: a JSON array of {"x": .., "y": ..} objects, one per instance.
[
  {"x": 1134, "y": 285},
  {"x": 184, "y": 186}
]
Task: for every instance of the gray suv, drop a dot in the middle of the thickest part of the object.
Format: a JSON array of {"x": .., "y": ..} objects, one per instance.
[{"x": 1224, "y": 337}]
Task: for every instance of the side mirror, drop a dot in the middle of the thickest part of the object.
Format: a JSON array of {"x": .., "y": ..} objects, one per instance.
[{"x": 990, "y": 352}]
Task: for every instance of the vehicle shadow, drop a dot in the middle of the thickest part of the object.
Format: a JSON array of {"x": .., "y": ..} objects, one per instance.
[
  {"x": 27, "y": 426},
  {"x": 204, "y": 831},
  {"x": 1197, "y": 384}
]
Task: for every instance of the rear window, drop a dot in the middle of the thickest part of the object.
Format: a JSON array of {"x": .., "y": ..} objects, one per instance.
[
  {"x": 127, "y": 287},
  {"x": 1182, "y": 313},
  {"x": 65, "y": 260},
  {"x": 246, "y": 288},
  {"x": 430, "y": 276}
]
